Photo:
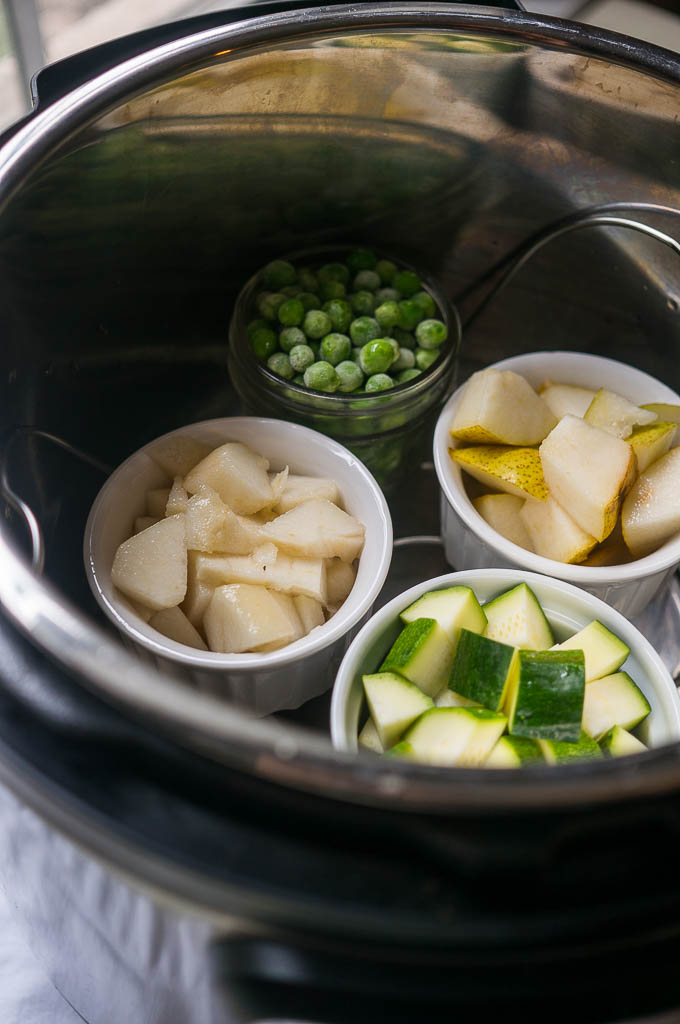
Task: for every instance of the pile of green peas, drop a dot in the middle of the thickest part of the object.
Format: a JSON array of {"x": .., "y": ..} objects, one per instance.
[{"x": 360, "y": 325}]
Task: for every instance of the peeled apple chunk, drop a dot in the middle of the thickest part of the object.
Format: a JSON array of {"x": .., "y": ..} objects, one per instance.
[
  {"x": 241, "y": 617},
  {"x": 651, "y": 511},
  {"x": 310, "y": 612},
  {"x": 151, "y": 567},
  {"x": 340, "y": 577},
  {"x": 587, "y": 471},
  {"x": 176, "y": 455},
  {"x": 173, "y": 623},
  {"x": 239, "y": 476},
  {"x": 567, "y": 399},
  {"x": 554, "y": 534},
  {"x": 298, "y": 489},
  {"x": 500, "y": 407},
  {"x": 616, "y": 415},
  {"x": 651, "y": 442},
  {"x": 501, "y": 512},
  {"x": 317, "y": 529},
  {"x": 516, "y": 471}
]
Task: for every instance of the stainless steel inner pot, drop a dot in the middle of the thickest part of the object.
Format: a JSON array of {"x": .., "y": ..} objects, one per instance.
[{"x": 134, "y": 208}]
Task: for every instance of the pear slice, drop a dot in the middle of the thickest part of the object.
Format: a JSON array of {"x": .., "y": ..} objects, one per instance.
[
  {"x": 515, "y": 471},
  {"x": 173, "y": 623},
  {"x": 587, "y": 471},
  {"x": 651, "y": 442},
  {"x": 241, "y": 617},
  {"x": 340, "y": 577},
  {"x": 239, "y": 476},
  {"x": 290, "y": 575},
  {"x": 651, "y": 512},
  {"x": 151, "y": 566},
  {"x": 553, "y": 532},
  {"x": 501, "y": 512},
  {"x": 317, "y": 529},
  {"x": 612, "y": 551},
  {"x": 177, "y": 498},
  {"x": 178, "y": 454},
  {"x": 198, "y": 594},
  {"x": 616, "y": 415},
  {"x": 212, "y": 526},
  {"x": 664, "y": 411},
  {"x": 298, "y": 489},
  {"x": 567, "y": 399},
  {"x": 500, "y": 407}
]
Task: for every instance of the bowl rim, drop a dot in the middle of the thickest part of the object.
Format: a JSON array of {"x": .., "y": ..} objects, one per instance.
[
  {"x": 507, "y": 578},
  {"x": 450, "y": 481},
  {"x": 326, "y": 634}
]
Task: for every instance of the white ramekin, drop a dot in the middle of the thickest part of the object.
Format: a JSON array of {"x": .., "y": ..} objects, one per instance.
[
  {"x": 470, "y": 542},
  {"x": 567, "y": 608},
  {"x": 263, "y": 683}
]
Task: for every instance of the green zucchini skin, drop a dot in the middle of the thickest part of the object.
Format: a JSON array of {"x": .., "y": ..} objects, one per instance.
[
  {"x": 481, "y": 669},
  {"x": 556, "y": 752},
  {"x": 545, "y": 695}
]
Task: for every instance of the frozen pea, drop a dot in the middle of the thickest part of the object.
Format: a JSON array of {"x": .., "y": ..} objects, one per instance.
[
  {"x": 385, "y": 269},
  {"x": 349, "y": 375},
  {"x": 335, "y": 348},
  {"x": 406, "y": 282},
  {"x": 291, "y": 291},
  {"x": 340, "y": 312},
  {"x": 387, "y": 314},
  {"x": 426, "y": 357},
  {"x": 376, "y": 356},
  {"x": 333, "y": 272},
  {"x": 410, "y": 314},
  {"x": 361, "y": 259},
  {"x": 426, "y": 303},
  {"x": 363, "y": 329},
  {"x": 395, "y": 349},
  {"x": 255, "y": 325},
  {"x": 405, "y": 338},
  {"x": 309, "y": 300},
  {"x": 356, "y": 354},
  {"x": 388, "y": 295},
  {"x": 431, "y": 334},
  {"x": 366, "y": 280},
  {"x": 331, "y": 290},
  {"x": 379, "y": 382},
  {"x": 290, "y": 337},
  {"x": 307, "y": 280},
  {"x": 263, "y": 342},
  {"x": 280, "y": 363},
  {"x": 299, "y": 379},
  {"x": 301, "y": 356},
  {"x": 404, "y": 376},
  {"x": 277, "y": 274},
  {"x": 362, "y": 303},
  {"x": 321, "y": 376},
  {"x": 268, "y": 303},
  {"x": 316, "y": 324},
  {"x": 404, "y": 361},
  {"x": 291, "y": 313}
]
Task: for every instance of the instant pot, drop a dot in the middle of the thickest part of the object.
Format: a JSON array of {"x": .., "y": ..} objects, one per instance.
[{"x": 169, "y": 857}]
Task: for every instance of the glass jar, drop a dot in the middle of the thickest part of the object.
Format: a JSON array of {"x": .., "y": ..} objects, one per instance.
[{"x": 388, "y": 430}]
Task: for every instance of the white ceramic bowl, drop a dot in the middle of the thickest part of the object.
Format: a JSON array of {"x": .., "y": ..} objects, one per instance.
[
  {"x": 567, "y": 608},
  {"x": 470, "y": 542},
  {"x": 264, "y": 683}
]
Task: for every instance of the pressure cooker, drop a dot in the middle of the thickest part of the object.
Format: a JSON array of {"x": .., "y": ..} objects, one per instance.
[{"x": 171, "y": 857}]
